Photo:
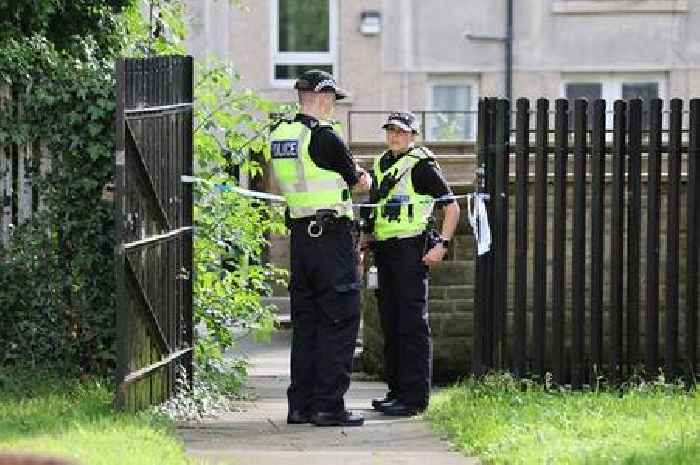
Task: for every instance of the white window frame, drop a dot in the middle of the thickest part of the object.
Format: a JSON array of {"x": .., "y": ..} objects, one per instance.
[
  {"x": 618, "y": 6},
  {"x": 612, "y": 85},
  {"x": 467, "y": 81},
  {"x": 612, "y": 82},
  {"x": 302, "y": 58}
]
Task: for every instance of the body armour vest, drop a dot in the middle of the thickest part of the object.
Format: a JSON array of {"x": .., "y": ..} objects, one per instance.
[
  {"x": 402, "y": 212},
  {"x": 306, "y": 187}
]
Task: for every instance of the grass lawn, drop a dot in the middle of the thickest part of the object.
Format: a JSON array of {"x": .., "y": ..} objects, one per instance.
[
  {"x": 518, "y": 423},
  {"x": 49, "y": 414}
]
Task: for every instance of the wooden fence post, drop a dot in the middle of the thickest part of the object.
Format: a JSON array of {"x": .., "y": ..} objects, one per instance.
[
  {"x": 652, "y": 252},
  {"x": 578, "y": 266},
  {"x": 540, "y": 265}
]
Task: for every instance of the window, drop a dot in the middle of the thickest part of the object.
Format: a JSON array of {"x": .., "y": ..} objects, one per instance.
[
  {"x": 292, "y": 72},
  {"x": 451, "y": 116},
  {"x": 645, "y": 91},
  {"x": 613, "y": 86},
  {"x": 618, "y": 6},
  {"x": 588, "y": 90},
  {"x": 303, "y": 38}
]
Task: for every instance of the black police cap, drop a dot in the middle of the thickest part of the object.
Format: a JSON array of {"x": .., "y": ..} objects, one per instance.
[
  {"x": 316, "y": 80},
  {"x": 404, "y": 120}
]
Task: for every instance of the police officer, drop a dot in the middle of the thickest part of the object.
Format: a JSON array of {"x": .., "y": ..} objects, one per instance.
[
  {"x": 407, "y": 180},
  {"x": 315, "y": 171}
]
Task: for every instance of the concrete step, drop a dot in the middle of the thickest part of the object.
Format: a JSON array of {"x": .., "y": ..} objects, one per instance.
[
  {"x": 453, "y": 272},
  {"x": 282, "y": 309},
  {"x": 457, "y": 159},
  {"x": 461, "y": 149},
  {"x": 451, "y": 292}
]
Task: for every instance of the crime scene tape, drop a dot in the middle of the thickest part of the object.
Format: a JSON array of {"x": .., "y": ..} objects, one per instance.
[
  {"x": 280, "y": 199},
  {"x": 477, "y": 215}
]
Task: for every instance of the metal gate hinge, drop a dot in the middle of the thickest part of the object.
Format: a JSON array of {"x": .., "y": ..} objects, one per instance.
[{"x": 183, "y": 274}]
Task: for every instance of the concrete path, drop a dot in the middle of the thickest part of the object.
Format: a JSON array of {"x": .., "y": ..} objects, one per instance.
[{"x": 258, "y": 433}]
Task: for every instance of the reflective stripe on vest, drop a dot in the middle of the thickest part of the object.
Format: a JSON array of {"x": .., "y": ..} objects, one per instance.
[
  {"x": 306, "y": 187},
  {"x": 411, "y": 217}
]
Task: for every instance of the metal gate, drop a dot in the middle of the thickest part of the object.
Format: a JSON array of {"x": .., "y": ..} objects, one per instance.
[
  {"x": 153, "y": 218},
  {"x": 594, "y": 262}
]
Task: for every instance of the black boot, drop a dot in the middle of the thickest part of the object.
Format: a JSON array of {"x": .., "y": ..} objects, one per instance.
[
  {"x": 381, "y": 404},
  {"x": 297, "y": 417},
  {"x": 337, "y": 419},
  {"x": 400, "y": 409}
]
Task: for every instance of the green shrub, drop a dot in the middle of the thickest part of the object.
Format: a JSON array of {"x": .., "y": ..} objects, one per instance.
[{"x": 56, "y": 278}]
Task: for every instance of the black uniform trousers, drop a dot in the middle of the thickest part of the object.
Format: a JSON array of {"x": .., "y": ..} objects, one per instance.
[
  {"x": 403, "y": 308},
  {"x": 325, "y": 311}
]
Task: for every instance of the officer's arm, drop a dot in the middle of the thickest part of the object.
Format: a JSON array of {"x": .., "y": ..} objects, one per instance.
[
  {"x": 364, "y": 179},
  {"x": 428, "y": 180},
  {"x": 328, "y": 151},
  {"x": 451, "y": 220},
  {"x": 373, "y": 191},
  {"x": 367, "y": 213}
]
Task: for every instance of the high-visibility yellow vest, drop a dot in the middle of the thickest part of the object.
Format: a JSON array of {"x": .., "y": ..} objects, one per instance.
[
  {"x": 306, "y": 187},
  {"x": 404, "y": 212}
]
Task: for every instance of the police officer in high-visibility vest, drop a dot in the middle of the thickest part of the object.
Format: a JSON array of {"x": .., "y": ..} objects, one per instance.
[
  {"x": 315, "y": 172},
  {"x": 407, "y": 180}
]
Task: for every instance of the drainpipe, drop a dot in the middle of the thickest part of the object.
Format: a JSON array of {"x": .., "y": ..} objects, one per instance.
[
  {"x": 509, "y": 49},
  {"x": 150, "y": 28},
  {"x": 507, "y": 40}
]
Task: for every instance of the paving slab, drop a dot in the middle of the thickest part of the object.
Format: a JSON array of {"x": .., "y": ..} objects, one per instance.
[{"x": 256, "y": 432}]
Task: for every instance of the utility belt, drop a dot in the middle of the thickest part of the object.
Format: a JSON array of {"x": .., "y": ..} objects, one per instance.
[
  {"x": 420, "y": 242},
  {"x": 322, "y": 221},
  {"x": 426, "y": 240}
]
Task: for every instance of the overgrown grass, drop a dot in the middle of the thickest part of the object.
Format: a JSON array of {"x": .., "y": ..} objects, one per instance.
[
  {"x": 504, "y": 421},
  {"x": 46, "y": 413}
]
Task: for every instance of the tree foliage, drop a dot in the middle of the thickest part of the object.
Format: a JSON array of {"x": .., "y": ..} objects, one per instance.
[
  {"x": 56, "y": 279},
  {"x": 231, "y": 229},
  {"x": 62, "y": 22},
  {"x": 154, "y": 27}
]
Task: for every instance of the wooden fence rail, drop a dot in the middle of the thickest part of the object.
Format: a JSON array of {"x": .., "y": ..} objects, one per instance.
[{"x": 20, "y": 164}]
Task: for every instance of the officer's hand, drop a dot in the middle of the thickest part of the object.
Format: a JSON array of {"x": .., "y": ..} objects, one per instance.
[
  {"x": 364, "y": 246},
  {"x": 365, "y": 240},
  {"x": 365, "y": 181},
  {"x": 434, "y": 255}
]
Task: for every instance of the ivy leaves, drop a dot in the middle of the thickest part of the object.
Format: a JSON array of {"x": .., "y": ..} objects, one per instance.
[
  {"x": 48, "y": 18},
  {"x": 232, "y": 231},
  {"x": 169, "y": 28},
  {"x": 231, "y": 123},
  {"x": 56, "y": 280},
  {"x": 63, "y": 257}
]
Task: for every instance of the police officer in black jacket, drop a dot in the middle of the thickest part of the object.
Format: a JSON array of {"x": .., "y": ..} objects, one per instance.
[
  {"x": 407, "y": 179},
  {"x": 315, "y": 171}
]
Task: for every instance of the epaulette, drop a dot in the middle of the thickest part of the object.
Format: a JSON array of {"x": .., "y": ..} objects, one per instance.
[
  {"x": 278, "y": 119},
  {"x": 321, "y": 125},
  {"x": 428, "y": 154}
]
